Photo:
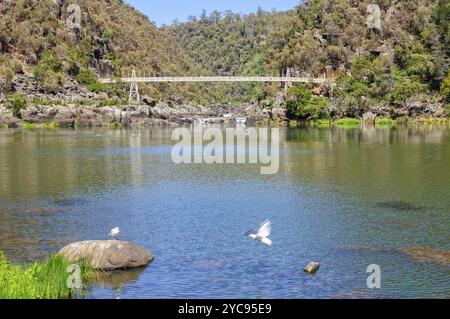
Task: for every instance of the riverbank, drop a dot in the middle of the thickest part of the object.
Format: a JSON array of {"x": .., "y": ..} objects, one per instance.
[
  {"x": 40, "y": 280},
  {"x": 382, "y": 122},
  {"x": 161, "y": 114},
  {"x": 151, "y": 113}
]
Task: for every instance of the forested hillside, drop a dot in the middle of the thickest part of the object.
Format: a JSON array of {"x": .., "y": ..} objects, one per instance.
[
  {"x": 389, "y": 69},
  {"x": 397, "y": 68},
  {"x": 226, "y": 43},
  {"x": 112, "y": 38}
]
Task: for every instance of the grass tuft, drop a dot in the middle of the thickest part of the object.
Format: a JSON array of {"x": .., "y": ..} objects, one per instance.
[
  {"x": 348, "y": 123},
  {"x": 41, "y": 280},
  {"x": 323, "y": 123},
  {"x": 385, "y": 122}
]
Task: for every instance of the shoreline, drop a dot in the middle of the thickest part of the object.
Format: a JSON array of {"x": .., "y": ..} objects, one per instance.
[{"x": 158, "y": 115}]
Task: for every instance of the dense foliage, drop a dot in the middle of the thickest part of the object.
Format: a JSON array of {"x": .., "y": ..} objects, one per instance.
[
  {"x": 406, "y": 59},
  {"x": 111, "y": 33}
]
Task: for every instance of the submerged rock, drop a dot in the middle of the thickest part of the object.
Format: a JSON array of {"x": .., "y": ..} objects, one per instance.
[
  {"x": 312, "y": 268},
  {"x": 400, "y": 205},
  {"x": 423, "y": 254},
  {"x": 108, "y": 254},
  {"x": 431, "y": 255}
]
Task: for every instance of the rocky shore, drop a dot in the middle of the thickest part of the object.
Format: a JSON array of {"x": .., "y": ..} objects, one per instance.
[
  {"x": 161, "y": 114},
  {"x": 125, "y": 116},
  {"x": 86, "y": 109}
]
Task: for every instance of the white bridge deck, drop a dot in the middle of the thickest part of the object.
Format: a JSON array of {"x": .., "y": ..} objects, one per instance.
[{"x": 219, "y": 79}]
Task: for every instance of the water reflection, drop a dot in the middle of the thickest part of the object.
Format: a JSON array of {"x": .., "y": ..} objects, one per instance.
[{"x": 117, "y": 279}]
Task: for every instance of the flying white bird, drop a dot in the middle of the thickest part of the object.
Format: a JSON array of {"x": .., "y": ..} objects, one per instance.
[
  {"x": 115, "y": 233},
  {"x": 262, "y": 233}
]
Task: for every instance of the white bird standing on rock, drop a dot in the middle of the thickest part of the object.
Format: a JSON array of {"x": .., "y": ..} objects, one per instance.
[
  {"x": 115, "y": 233},
  {"x": 262, "y": 233}
]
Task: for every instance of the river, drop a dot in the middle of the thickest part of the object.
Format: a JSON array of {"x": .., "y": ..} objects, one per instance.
[{"x": 346, "y": 198}]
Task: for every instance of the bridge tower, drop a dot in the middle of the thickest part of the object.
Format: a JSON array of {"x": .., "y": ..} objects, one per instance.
[
  {"x": 288, "y": 83},
  {"x": 134, "y": 89}
]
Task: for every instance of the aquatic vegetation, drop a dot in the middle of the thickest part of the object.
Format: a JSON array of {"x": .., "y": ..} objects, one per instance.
[
  {"x": 293, "y": 124},
  {"x": 114, "y": 125},
  {"x": 322, "y": 123},
  {"x": 49, "y": 125},
  {"x": 430, "y": 121},
  {"x": 40, "y": 280},
  {"x": 28, "y": 125},
  {"x": 385, "y": 122},
  {"x": 347, "y": 123}
]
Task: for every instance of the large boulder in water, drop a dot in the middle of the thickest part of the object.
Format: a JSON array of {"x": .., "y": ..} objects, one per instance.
[{"x": 108, "y": 254}]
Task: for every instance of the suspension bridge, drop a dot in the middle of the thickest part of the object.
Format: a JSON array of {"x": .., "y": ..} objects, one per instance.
[{"x": 287, "y": 80}]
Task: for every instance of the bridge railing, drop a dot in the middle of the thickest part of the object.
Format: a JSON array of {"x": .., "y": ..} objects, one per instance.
[{"x": 218, "y": 79}]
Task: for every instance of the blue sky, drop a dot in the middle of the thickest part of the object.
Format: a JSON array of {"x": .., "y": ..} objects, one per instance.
[{"x": 166, "y": 11}]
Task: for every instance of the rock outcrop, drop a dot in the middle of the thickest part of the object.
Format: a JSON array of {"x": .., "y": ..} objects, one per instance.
[
  {"x": 108, "y": 254},
  {"x": 146, "y": 115}
]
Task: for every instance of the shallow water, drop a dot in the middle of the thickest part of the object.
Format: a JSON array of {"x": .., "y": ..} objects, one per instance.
[{"x": 344, "y": 198}]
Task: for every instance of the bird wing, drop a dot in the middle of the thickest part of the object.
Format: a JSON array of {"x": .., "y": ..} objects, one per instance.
[
  {"x": 265, "y": 229},
  {"x": 251, "y": 232}
]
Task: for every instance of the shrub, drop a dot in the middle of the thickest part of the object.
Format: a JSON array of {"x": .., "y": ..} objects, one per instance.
[
  {"x": 405, "y": 88},
  {"x": 6, "y": 74},
  {"x": 445, "y": 88},
  {"x": 16, "y": 103},
  {"x": 90, "y": 80},
  {"x": 96, "y": 87},
  {"x": 86, "y": 76},
  {"x": 421, "y": 66},
  {"x": 51, "y": 61},
  {"x": 48, "y": 73},
  {"x": 52, "y": 81},
  {"x": 447, "y": 110},
  {"x": 303, "y": 105}
]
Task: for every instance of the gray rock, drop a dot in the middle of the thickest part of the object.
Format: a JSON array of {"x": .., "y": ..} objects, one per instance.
[
  {"x": 106, "y": 68},
  {"x": 108, "y": 254},
  {"x": 369, "y": 118},
  {"x": 312, "y": 268},
  {"x": 149, "y": 101},
  {"x": 88, "y": 118}
]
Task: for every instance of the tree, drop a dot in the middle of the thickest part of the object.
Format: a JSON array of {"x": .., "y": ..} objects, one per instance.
[
  {"x": 441, "y": 16},
  {"x": 303, "y": 105},
  {"x": 445, "y": 88}
]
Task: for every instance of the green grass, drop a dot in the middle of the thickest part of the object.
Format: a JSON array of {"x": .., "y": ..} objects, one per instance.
[
  {"x": 385, "y": 122},
  {"x": 28, "y": 125},
  {"x": 50, "y": 125},
  {"x": 322, "y": 123},
  {"x": 347, "y": 123},
  {"x": 430, "y": 121},
  {"x": 41, "y": 280},
  {"x": 114, "y": 125},
  {"x": 293, "y": 124}
]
